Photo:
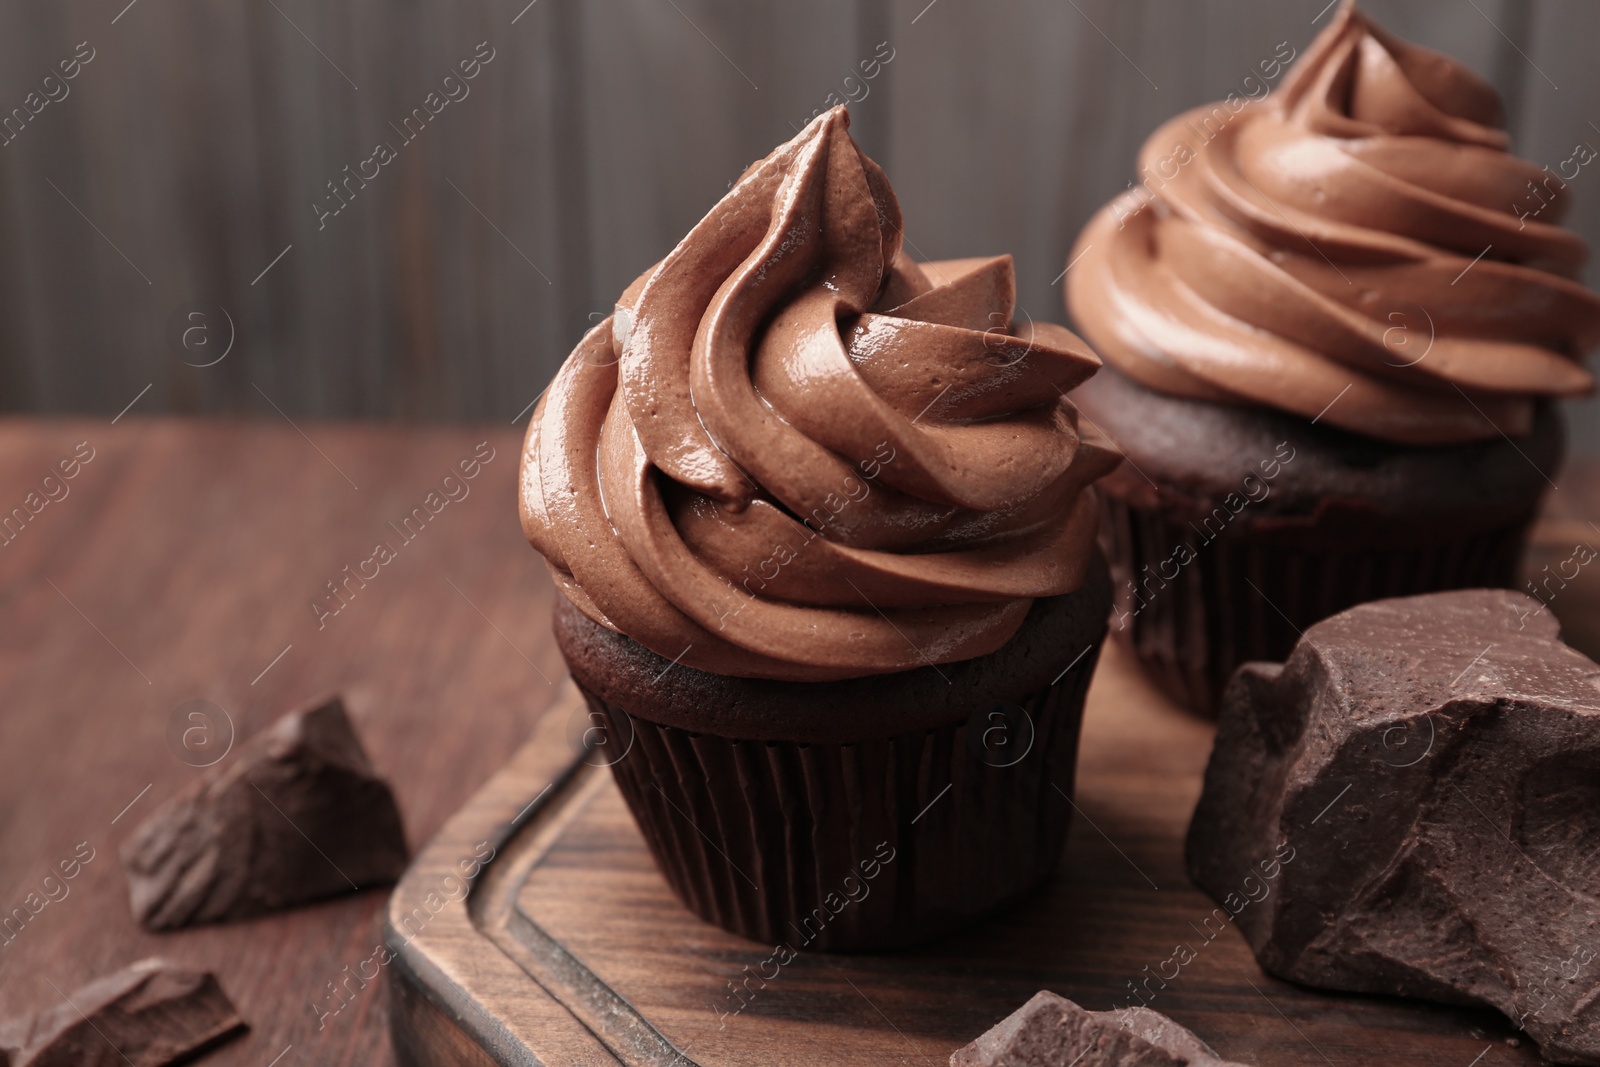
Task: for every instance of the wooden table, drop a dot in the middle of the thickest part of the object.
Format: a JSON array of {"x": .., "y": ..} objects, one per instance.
[{"x": 182, "y": 563}]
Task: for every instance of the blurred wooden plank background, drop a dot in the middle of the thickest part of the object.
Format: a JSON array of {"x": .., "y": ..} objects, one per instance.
[{"x": 189, "y": 152}]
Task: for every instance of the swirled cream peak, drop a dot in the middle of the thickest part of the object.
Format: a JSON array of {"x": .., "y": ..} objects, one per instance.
[
  {"x": 1360, "y": 238},
  {"x": 793, "y": 452}
]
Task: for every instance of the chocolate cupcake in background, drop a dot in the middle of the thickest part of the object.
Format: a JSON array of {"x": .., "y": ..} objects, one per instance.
[
  {"x": 825, "y": 533},
  {"x": 1335, "y": 320}
]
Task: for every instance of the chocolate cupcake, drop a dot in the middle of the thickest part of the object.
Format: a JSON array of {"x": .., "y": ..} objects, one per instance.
[
  {"x": 824, "y": 532},
  {"x": 1335, "y": 317}
]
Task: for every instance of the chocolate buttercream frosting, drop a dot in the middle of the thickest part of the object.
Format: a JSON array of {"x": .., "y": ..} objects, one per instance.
[
  {"x": 1359, "y": 244},
  {"x": 793, "y": 452}
]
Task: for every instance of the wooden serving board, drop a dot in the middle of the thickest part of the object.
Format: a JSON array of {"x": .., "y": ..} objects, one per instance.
[{"x": 570, "y": 948}]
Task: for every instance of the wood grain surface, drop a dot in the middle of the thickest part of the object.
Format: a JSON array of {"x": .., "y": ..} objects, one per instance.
[
  {"x": 182, "y": 561},
  {"x": 191, "y": 149},
  {"x": 184, "y": 558}
]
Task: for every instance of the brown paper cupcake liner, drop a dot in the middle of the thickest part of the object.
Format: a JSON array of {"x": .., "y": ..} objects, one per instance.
[
  {"x": 874, "y": 845},
  {"x": 1248, "y": 596}
]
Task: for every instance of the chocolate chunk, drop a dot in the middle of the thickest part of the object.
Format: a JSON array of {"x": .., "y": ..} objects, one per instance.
[
  {"x": 1051, "y": 1030},
  {"x": 297, "y": 815},
  {"x": 1411, "y": 805},
  {"x": 149, "y": 1014}
]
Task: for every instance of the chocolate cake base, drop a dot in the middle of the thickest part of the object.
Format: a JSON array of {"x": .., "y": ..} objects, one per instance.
[
  {"x": 862, "y": 814},
  {"x": 1246, "y": 599},
  {"x": 1231, "y": 530}
]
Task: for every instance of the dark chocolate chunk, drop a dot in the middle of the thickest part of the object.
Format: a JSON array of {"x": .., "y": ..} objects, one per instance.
[
  {"x": 1423, "y": 778},
  {"x": 149, "y": 1014},
  {"x": 1051, "y": 1030},
  {"x": 297, "y": 815}
]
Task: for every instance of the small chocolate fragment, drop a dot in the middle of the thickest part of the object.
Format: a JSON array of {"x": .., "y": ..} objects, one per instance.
[
  {"x": 297, "y": 815},
  {"x": 1411, "y": 806},
  {"x": 1051, "y": 1030},
  {"x": 149, "y": 1014}
]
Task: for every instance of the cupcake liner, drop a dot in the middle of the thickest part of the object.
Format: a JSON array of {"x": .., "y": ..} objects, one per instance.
[
  {"x": 1247, "y": 595},
  {"x": 878, "y": 844}
]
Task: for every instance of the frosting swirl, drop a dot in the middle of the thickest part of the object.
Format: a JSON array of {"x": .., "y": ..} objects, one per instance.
[
  {"x": 792, "y": 452},
  {"x": 1360, "y": 239}
]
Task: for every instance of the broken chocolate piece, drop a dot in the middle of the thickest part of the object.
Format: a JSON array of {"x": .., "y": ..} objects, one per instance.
[
  {"x": 297, "y": 815},
  {"x": 1051, "y": 1030},
  {"x": 1423, "y": 778},
  {"x": 148, "y": 1015}
]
